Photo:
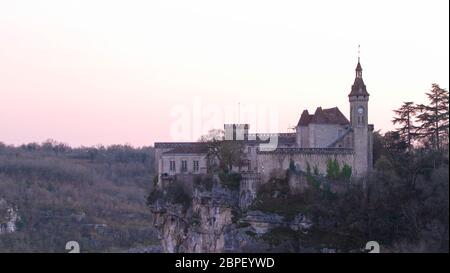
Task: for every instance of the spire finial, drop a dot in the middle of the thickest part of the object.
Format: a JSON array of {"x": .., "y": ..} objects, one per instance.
[{"x": 359, "y": 52}]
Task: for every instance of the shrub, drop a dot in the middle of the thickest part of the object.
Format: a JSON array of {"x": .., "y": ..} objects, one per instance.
[
  {"x": 235, "y": 216},
  {"x": 155, "y": 181},
  {"x": 204, "y": 182},
  {"x": 275, "y": 197},
  {"x": 282, "y": 235},
  {"x": 314, "y": 182},
  {"x": 250, "y": 233},
  {"x": 334, "y": 172},
  {"x": 308, "y": 169},
  {"x": 346, "y": 172},
  {"x": 154, "y": 195},
  {"x": 176, "y": 193},
  {"x": 230, "y": 180},
  {"x": 329, "y": 168},
  {"x": 316, "y": 170},
  {"x": 292, "y": 166}
]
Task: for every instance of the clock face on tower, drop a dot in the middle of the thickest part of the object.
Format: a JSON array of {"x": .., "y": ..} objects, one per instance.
[{"x": 360, "y": 110}]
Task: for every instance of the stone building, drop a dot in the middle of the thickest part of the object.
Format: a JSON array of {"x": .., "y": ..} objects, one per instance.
[{"x": 326, "y": 134}]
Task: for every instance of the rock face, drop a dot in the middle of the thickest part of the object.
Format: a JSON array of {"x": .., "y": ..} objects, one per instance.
[
  {"x": 215, "y": 221},
  {"x": 8, "y": 217},
  {"x": 206, "y": 226}
]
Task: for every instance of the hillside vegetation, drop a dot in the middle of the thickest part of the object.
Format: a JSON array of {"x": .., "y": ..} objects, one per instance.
[{"x": 92, "y": 195}]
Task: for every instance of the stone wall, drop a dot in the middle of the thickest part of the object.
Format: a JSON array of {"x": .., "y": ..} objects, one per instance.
[
  {"x": 303, "y": 136},
  {"x": 250, "y": 153},
  {"x": 361, "y": 148},
  {"x": 178, "y": 158},
  {"x": 321, "y": 135},
  {"x": 247, "y": 189},
  {"x": 158, "y": 155},
  {"x": 281, "y": 158}
]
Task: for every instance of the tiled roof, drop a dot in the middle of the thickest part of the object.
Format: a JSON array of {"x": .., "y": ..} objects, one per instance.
[
  {"x": 305, "y": 118},
  {"x": 358, "y": 88},
  {"x": 284, "y": 139},
  {"x": 189, "y": 148},
  {"x": 323, "y": 116},
  {"x": 166, "y": 145}
]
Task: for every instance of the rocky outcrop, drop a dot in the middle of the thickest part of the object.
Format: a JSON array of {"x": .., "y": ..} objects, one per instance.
[
  {"x": 9, "y": 217},
  {"x": 205, "y": 226},
  {"x": 215, "y": 221},
  {"x": 262, "y": 222}
]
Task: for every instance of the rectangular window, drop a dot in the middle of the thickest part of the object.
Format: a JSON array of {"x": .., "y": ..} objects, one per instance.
[
  {"x": 184, "y": 166},
  {"x": 249, "y": 150},
  {"x": 196, "y": 166},
  {"x": 172, "y": 165}
]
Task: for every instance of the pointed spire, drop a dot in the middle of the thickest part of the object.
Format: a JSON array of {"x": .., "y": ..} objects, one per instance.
[
  {"x": 358, "y": 66},
  {"x": 358, "y": 87}
]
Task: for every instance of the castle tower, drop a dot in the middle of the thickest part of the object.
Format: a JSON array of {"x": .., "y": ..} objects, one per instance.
[{"x": 359, "y": 110}]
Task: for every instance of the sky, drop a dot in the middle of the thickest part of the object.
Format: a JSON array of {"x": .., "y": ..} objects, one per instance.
[{"x": 135, "y": 72}]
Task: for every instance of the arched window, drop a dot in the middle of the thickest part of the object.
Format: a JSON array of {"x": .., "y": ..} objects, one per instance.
[{"x": 360, "y": 115}]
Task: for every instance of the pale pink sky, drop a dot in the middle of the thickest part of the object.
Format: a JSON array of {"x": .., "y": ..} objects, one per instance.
[{"x": 104, "y": 72}]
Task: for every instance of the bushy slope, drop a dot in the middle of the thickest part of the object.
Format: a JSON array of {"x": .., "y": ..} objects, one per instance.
[{"x": 95, "y": 196}]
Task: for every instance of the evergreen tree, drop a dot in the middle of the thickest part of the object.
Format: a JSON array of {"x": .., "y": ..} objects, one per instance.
[
  {"x": 433, "y": 118},
  {"x": 404, "y": 118},
  {"x": 393, "y": 144}
]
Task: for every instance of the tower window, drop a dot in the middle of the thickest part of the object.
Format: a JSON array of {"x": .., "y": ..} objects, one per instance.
[{"x": 360, "y": 115}]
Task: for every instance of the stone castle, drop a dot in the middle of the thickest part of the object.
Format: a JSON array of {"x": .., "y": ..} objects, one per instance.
[{"x": 326, "y": 134}]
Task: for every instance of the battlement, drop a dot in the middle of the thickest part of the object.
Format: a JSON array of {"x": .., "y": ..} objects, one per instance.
[
  {"x": 308, "y": 151},
  {"x": 269, "y": 135}
]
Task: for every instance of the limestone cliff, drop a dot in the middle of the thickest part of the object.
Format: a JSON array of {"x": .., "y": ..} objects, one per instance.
[
  {"x": 205, "y": 225},
  {"x": 213, "y": 220}
]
